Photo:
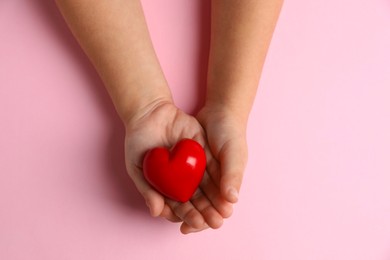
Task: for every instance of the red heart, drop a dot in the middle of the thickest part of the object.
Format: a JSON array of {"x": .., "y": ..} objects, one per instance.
[{"x": 176, "y": 173}]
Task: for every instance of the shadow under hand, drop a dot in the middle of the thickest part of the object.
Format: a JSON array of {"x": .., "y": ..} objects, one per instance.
[{"x": 121, "y": 187}]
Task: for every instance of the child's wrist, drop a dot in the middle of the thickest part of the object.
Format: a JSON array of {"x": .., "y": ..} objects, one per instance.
[
  {"x": 228, "y": 109},
  {"x": 135, "y": 111}
]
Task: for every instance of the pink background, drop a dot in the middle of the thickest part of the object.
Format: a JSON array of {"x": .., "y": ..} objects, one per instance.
[{"x": 318, "y": 177}]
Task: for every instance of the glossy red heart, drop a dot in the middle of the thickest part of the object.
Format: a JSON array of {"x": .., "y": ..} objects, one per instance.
[{"x": 176, "y": 173}]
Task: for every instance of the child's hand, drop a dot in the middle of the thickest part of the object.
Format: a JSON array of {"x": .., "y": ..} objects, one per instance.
[
  {"x": 115, "y": 37},
  {"x": 226, "y": 137},
  {"x": 164, "y": 125}
]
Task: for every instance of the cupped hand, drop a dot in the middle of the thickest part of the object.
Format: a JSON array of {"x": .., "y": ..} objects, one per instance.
[
  {"x": 163, "y": 124},
  {"x": 226, "y": 137}
]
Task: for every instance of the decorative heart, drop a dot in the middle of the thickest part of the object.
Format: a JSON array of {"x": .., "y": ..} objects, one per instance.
[{"x": 176, "y": 173}]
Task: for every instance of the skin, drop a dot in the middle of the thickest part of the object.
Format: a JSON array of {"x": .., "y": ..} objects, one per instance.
[{"x": 114, "y": 35}]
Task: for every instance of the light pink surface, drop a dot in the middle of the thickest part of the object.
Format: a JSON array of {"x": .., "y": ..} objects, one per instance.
[{"x": 318, "y": 178}]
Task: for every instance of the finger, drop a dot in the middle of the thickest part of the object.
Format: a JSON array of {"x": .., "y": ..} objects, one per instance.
[
  {"x": 168, "y": 214},
  {"x": 209, "y": 213},
  {"x": 187, "y": 212},
  {"x": 213, "y": 167},
  {"x": 186, "y": 229},
  {"x": 153, "y": 199},
  {"x": 233, "y": 157},
  {"x": 213, "y": 194},
  {"x": 211, "y": 188},
  {"x": 200, "y": 138}
]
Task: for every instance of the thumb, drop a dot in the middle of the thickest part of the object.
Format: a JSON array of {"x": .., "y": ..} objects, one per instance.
[
  {"x": 153, "y": 199},
  {"x": 233, "y": 157}
]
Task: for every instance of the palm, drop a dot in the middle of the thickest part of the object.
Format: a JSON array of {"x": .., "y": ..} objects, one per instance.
[{"x": 165, "y": 126}]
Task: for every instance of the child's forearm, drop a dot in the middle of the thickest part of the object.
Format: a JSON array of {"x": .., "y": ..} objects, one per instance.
[
  {"x": 240, "y": 35},
  {"x": 114, "y": 35}
]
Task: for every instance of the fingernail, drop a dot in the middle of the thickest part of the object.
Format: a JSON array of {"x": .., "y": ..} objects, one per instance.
[{"x": 233, "y": 194}]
